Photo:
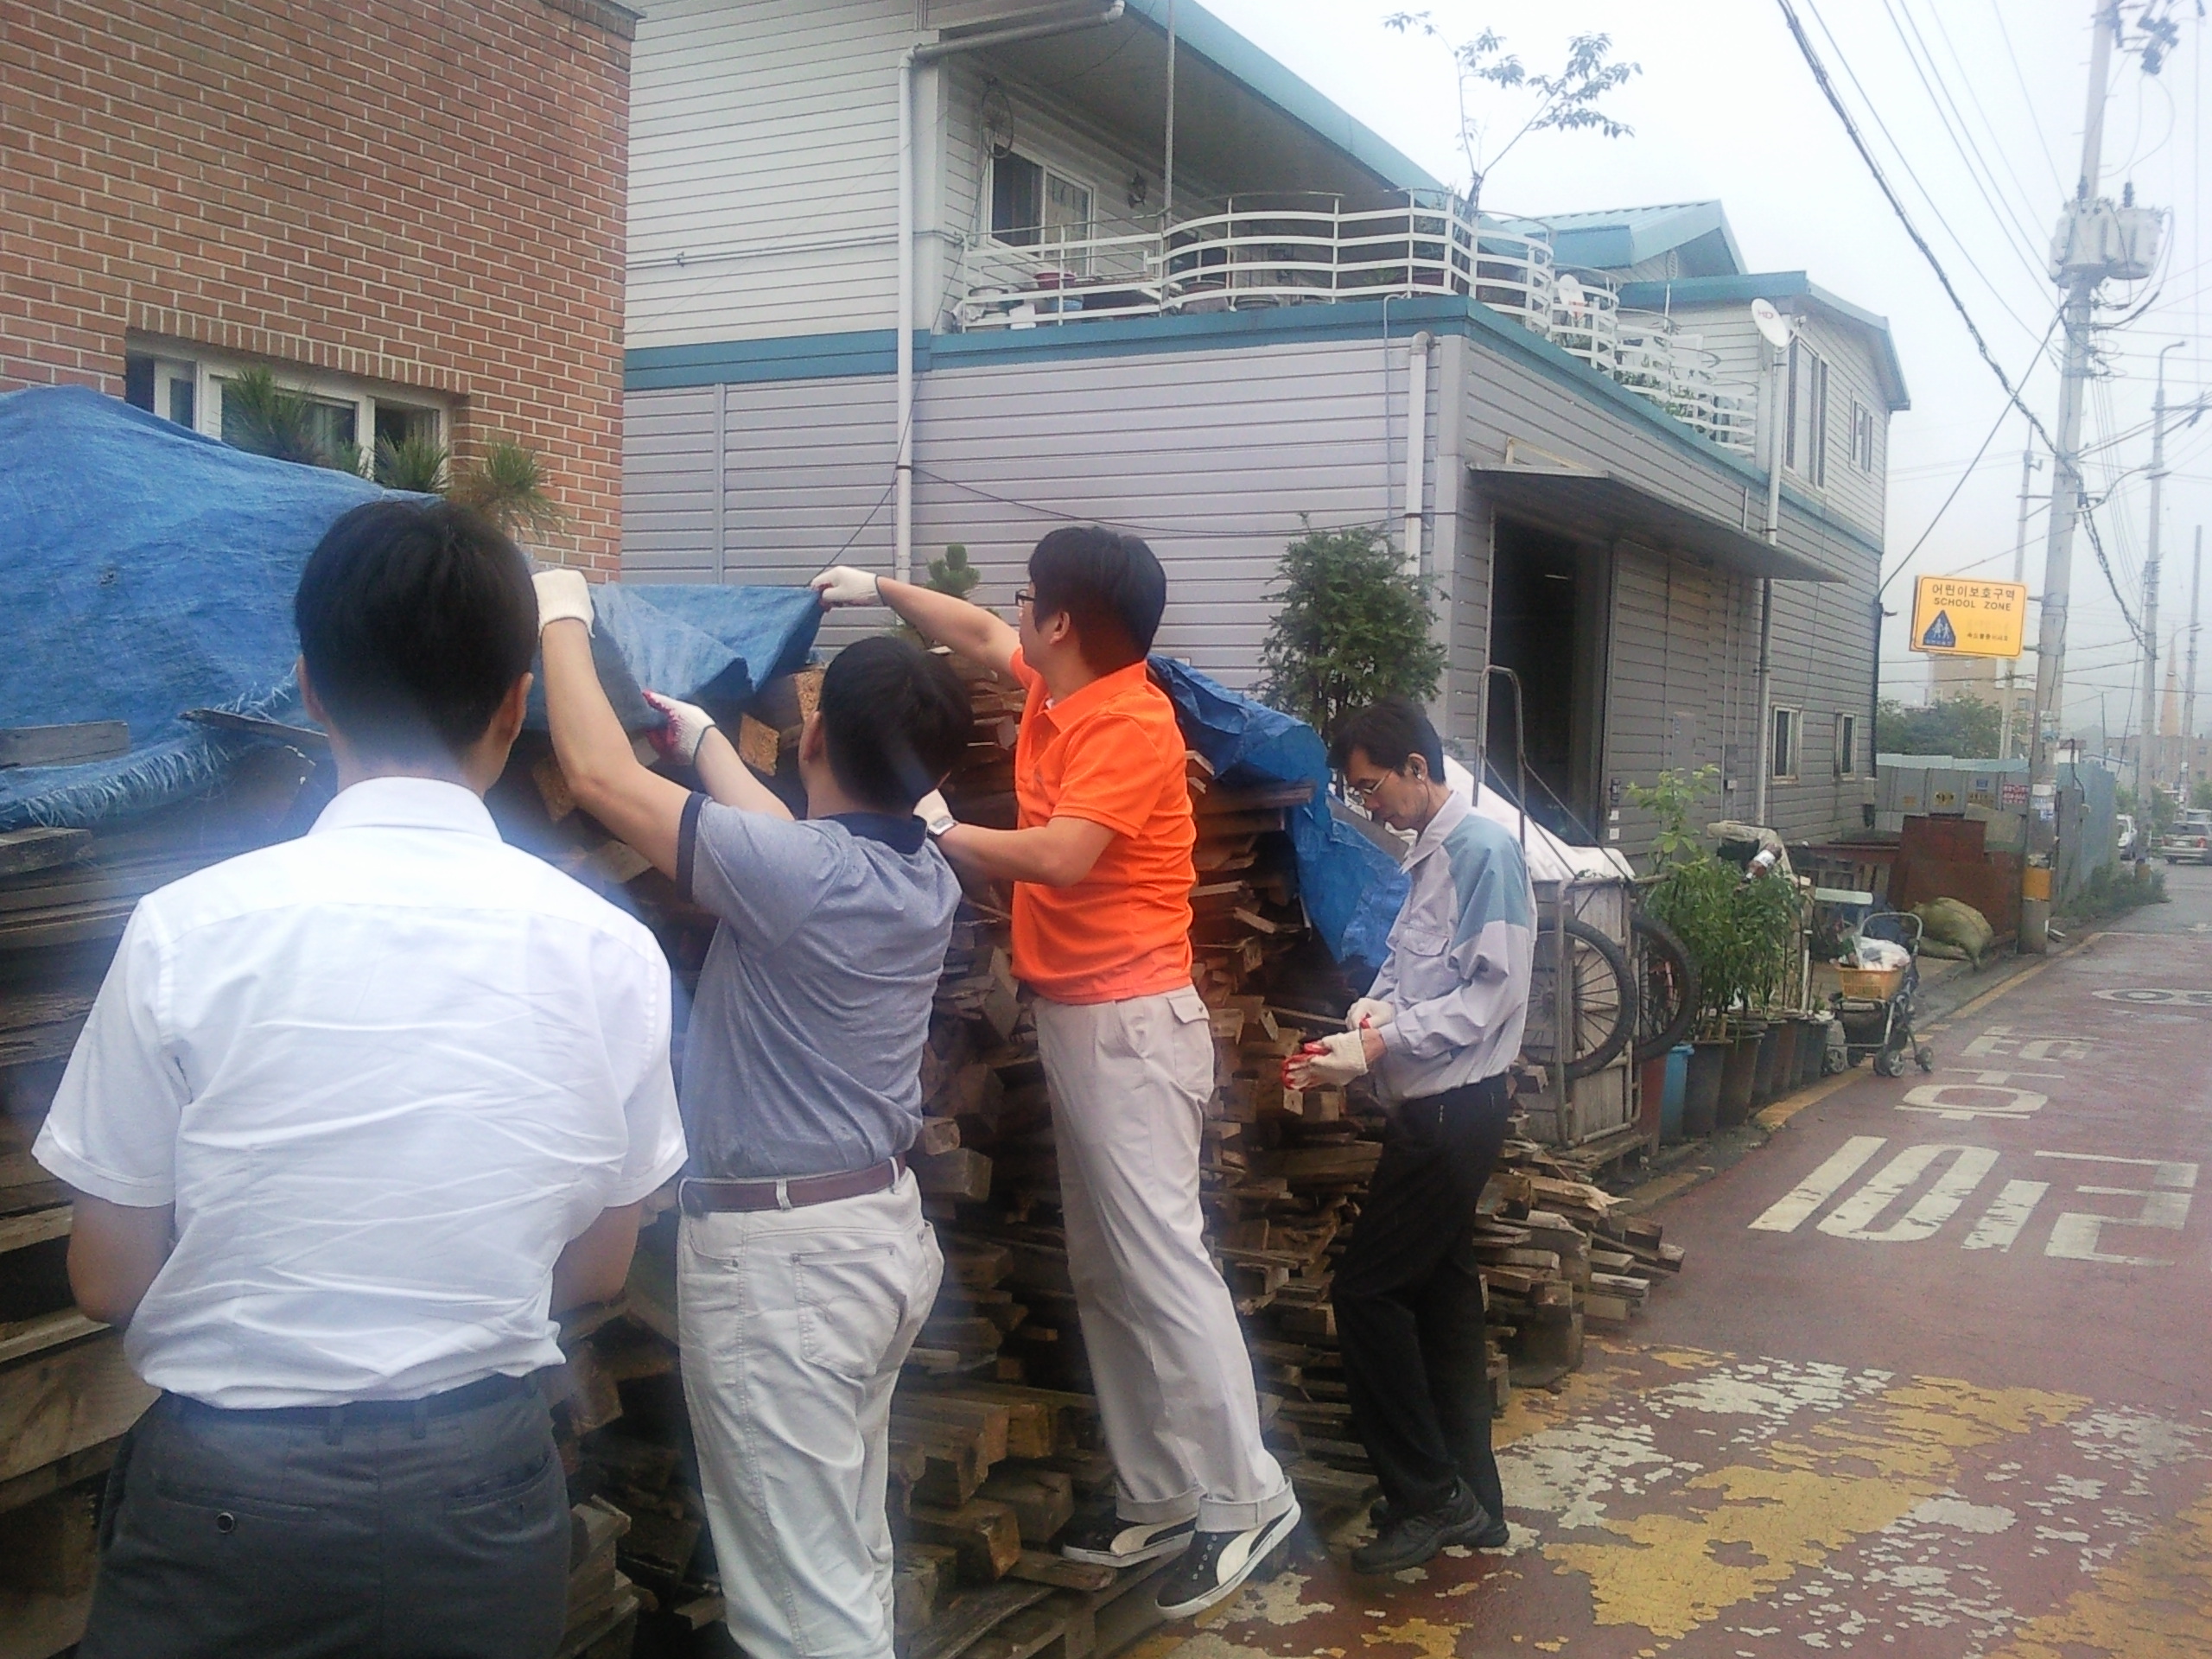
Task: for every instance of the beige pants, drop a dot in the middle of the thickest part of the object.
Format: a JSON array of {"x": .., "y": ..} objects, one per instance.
[
  {"x": 1129, "y": 1084},
  {"x": 794, "y": 1324}
]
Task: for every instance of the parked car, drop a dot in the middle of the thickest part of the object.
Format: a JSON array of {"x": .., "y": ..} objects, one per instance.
[
  {"x": 2190, "y": 838},
  {"x": 2128, "y": 837}
]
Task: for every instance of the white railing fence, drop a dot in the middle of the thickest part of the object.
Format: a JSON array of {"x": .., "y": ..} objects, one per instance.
[{"x": 1310, "y": 249}]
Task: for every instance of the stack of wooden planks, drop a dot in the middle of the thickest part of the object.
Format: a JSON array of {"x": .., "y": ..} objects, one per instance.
[{"x": 995, "y": 1432}]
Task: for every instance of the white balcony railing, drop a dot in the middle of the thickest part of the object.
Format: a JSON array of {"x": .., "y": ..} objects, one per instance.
[{"x": 1305, "y": 250}]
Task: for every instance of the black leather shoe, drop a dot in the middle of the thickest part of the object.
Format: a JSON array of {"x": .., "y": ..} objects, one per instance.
[
  {"x": 1496, "y": 1536},
  {"x": 1108, "y": 1541},
  {"x": 1409, "y": 1541}
]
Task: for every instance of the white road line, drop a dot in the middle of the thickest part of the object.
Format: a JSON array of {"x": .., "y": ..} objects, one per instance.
[
  {"x": 1856, "y": 1216},
  {"x": 1789, "y": 1213},
  {"x": 2007, "y": 1214}
]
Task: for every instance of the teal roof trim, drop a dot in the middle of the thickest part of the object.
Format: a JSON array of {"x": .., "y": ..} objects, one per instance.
[
  {"x": 871, "y": 352},
  {"x": 1615, "y": 239},
  {"x": 1198, "y": 31},
  {"x": 1778, "y": 285}
]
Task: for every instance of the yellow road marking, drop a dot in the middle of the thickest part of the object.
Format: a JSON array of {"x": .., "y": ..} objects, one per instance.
[
  {"x": 1811, "y": 1095},
  {"x": 2155, "y": 1601}
]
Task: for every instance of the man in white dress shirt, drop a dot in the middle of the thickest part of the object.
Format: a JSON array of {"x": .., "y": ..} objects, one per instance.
[{"x": 352, "y": 1117}]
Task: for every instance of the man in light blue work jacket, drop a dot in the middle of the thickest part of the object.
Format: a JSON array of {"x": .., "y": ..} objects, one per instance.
[{"x": 1437, "y": 1030}]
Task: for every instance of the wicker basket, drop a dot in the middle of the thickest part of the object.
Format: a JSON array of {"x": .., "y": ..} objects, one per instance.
[{"x": 1859, "y": 984}]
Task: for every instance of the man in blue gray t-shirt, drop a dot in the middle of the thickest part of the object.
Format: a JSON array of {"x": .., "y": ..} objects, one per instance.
[{"x": 806, "y": 1270}]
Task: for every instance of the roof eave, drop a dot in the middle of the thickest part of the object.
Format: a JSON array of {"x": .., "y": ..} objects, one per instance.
[{"x": 1198, "y": 31}]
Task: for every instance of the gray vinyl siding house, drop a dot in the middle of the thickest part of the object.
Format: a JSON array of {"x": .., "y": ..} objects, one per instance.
[{"x": 1218, "y": 375}]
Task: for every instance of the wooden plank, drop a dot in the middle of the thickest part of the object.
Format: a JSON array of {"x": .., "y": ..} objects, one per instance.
[
  {"x": 61, "y": 1402},
  {"x": 1040, "y": 1566},
  {"x": 22, "y": 850},
  {"x": 63, "y": 745},
  {"x": 963, "y": 1172},
  {"x": 987, "y": 1535},
  {"x": 23, "y": 1338},
  {"x": 970, "y": 1616},
  {"x": 1043, "y": 1500},
  {"x": 987, "y": 1424},
  {"x": 35, "y": 1228},
  {"x": 34, "y": 1626},
  {"x": 33, "y": 1485}
]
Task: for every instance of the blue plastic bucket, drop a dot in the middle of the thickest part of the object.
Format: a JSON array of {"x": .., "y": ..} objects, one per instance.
[{"x": 1670, "y": 1098}]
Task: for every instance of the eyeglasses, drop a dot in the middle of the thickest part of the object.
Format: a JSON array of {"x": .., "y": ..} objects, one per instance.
[
  {"x": 1026, "y": 596},
  {"x": 1366, "y": 792}
]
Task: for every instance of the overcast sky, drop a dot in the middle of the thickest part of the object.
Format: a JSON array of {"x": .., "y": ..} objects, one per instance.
[{"x": 1725, "y": 107}]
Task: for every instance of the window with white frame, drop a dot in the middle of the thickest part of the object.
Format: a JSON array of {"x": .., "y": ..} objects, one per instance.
[
  {"x": 1846, "y": 746},
  {"x": 1862, "y": 436},
  {"x": 1782, "y": 758},
  {"x": 347, "y": 417},
  {"x": 1805, "y": 436}
]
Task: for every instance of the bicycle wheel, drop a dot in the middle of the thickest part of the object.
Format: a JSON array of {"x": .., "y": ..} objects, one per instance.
[
  {"x": 1601, "y": 999},
  {"x": 1666, "y": 987}
]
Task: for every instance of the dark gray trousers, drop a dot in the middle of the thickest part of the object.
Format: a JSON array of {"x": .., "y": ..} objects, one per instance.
[
  {"x": 228, "y": 1534},
  {"x": 1408, "y": 1298}
]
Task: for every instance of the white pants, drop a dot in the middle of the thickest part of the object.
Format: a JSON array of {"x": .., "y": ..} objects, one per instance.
[
  {"x": 794, "y": 1325},
  {"x": 1129, "y": 1084}
]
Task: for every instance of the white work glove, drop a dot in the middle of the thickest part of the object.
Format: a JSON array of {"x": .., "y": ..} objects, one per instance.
[
  {"x": 841, "y": 584},
  {"x": 1329, "y": 1064},
  {"x": 1369, "y": 1011},
  {"x": 932, "y": 807},
  {"x": 562, "y": 596},
  {"x": 686, "y": 727}
]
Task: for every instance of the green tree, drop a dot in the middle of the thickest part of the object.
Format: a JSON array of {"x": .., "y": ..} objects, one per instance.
[
  {"x": 420, "y": 464},
  {"x": 1565, "y": 102},
  {"x": 506, "y": 484},
  {"x": 2200, "y": 794},
  {"x": 264, "y": 418},
  {"x": 1351, "y": 627},
  {"x": 952, "y": 574},
  {"x": 1965, "y": 726}
]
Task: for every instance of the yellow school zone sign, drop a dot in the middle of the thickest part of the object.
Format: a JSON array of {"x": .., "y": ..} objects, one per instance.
[{"x": 1955, "y": 616}]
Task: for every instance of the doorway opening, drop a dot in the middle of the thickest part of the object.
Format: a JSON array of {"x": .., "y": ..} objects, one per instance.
[{"x": 1550, "y": 601}]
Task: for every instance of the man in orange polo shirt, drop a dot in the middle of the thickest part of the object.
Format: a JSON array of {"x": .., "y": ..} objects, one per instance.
[{"x": 1101, "y": 864}]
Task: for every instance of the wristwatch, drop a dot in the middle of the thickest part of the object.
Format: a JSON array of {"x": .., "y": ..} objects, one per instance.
[{"x": 937, "y": 825}]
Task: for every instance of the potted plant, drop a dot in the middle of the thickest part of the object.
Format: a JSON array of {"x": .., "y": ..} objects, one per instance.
[{"x": 1739, "y": 931}]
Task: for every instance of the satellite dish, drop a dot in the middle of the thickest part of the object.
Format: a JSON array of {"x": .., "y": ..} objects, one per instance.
[
  {"x": 1773, "y": 327},
  {"x": 1571, "y": 297}
]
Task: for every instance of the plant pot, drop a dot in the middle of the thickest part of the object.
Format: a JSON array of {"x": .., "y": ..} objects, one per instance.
[
  {"x": 1785, "y": 1034},
  {"x": 1650, "y": 1092},
  {"x": 1812, "y": 1049},
  {"x": 1763, "y": 1068},
  {"x": 1670, "y": 1099},
  {"x": 1701, "y": 1088},
  {"x": 1736, "y": 1076}
]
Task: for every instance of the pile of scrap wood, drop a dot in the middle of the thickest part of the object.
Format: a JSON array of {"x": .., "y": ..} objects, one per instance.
[{"x": 996, "y": 1438}]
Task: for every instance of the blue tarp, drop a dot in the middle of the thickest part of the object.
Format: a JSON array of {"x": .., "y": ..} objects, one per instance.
[
  {"x": 1352, "y": 889},
  {"x": 150, "y": 570}
]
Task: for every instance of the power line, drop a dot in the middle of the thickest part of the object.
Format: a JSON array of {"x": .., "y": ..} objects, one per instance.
[
  {"x": 1904, "y": 157},
  {"x": 1997, "y": 10}
]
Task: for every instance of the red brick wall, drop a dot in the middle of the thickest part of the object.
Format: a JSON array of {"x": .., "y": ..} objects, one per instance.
[{"x": 430, "y": 193}]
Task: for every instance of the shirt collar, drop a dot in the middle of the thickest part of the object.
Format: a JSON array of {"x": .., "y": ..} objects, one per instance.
[
  {"x": 407, "y": 803},
  {"x": 1447, "y": 820},
  {"x": 901, "y": 834},
  {"x": 1104, "y": 690}
]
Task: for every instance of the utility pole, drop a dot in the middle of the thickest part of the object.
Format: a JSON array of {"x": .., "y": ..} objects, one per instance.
[
  {"x": 2081, "y": 283},
  {"x": 2143, "y": 766},
  {"x": 2029, "y": 466},
  {"x": 2189, "y": 677}
]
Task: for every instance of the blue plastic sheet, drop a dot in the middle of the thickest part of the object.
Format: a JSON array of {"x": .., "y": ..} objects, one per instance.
[
  {"x": 150, "y": 570},
  {"x": 1352, "y": 889}
]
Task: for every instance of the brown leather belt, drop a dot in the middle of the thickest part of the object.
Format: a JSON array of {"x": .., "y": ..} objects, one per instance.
[{"x": 701, "y": 1197}]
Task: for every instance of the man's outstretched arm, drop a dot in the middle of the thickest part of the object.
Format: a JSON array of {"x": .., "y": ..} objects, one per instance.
[{"x": 969, "y": 630}]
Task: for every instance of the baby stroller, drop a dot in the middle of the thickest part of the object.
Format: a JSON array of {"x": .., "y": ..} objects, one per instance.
[{"x": 1874, "y": 1007}]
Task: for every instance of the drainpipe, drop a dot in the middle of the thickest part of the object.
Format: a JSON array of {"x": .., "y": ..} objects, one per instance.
[
  {"x": 1451, "y": 479},
  {"x": 1763, "y": 745},
  {"x": 1416, "y": 442},
  {"x": 902, "y": 475}
]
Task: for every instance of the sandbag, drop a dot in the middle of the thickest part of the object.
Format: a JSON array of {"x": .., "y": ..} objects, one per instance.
[{"x": 1954, "y": 921}]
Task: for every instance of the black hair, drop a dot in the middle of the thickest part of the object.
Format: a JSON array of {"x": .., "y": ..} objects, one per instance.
[
  {"x": 416, "y": 618},
  {"x": 896, "y": 719},
  {"x": 1388, "y": 732},
  {"x": 1109, "y": 584}
]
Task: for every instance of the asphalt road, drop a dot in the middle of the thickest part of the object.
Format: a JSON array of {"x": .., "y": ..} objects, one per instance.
[{"x": 1936, "y": 1380}]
